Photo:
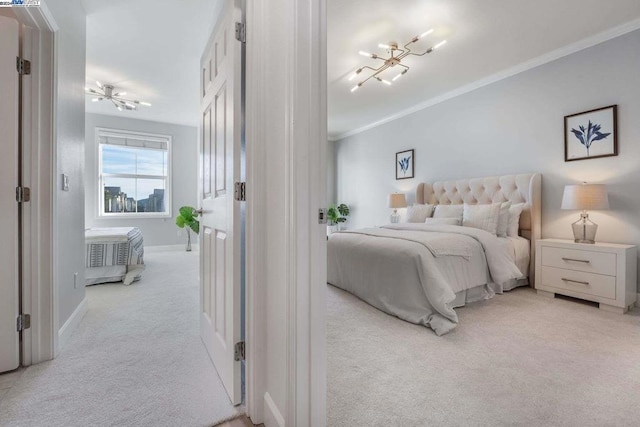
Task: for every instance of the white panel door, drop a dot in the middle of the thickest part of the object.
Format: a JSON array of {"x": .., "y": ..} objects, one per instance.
[
  {"x": 9, "y": 338},
  {"x": 220, "y": 222}
]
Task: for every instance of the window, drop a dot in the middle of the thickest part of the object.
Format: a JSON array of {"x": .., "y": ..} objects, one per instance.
[{"x": 135, "y": 178}]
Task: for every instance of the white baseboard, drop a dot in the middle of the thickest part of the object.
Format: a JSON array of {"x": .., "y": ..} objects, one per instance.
[
  {"x": 272, "y": 416},
  {"x": 170, "y": 248},
  {"x": 72, "y": 323}
]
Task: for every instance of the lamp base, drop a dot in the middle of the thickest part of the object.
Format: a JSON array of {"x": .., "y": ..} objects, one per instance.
[
  {"x": 395, "y": 218},
  {"x": 584, "y": 230}
]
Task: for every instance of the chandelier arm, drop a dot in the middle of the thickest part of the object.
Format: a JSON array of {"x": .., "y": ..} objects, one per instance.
[
  {"x": 366, "y": 80},
  {"x": 423, "y": 53},
  {"x": 129, "y": 100},
  {"x": 375, "y": 70},
  {"x": 406, "y": 46},
  {"x": 385, "y": 67}
]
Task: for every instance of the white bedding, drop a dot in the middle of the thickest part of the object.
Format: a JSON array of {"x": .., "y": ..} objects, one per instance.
[{"x": 405, "y": 270}]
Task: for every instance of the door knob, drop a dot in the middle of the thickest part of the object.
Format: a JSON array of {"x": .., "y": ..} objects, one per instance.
[{"x": 199, "y": 211}]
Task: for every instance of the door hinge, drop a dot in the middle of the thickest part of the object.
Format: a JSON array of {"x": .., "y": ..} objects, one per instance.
[
  {"x": 241, "y": 32},
  {"x": 23, "y": 194},
  {"x": 238, "y": 353},
  {"x": 23, "y": 66},
  {"x": 240, "y": 191},
  {"x": 23, "y": 322},
  {"x": 322, "y": 216}
]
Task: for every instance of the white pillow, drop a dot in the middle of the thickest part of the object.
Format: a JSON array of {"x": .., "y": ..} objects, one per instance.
[
  {"x": 442, "y": 221},
  {"x": 514, "y": 219},
  {"x": 484, "y": 217},
  {"x": 503, "y": 222},
  {"x": 448, "y": 211},
  {"x": 418, "y": 213}
]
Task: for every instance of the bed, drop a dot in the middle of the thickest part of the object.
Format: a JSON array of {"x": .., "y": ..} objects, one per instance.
[
  {"x": 114, "y": 254},
  {"x": 421, "y": 273}
]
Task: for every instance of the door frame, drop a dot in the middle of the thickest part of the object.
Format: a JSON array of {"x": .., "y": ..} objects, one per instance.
[
  {"x": 303, "y": 61},
  {"x": 39, "y": 287}
]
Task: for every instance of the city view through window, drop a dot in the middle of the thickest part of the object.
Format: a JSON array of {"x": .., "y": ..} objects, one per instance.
[{"x": 134, "y": 179}]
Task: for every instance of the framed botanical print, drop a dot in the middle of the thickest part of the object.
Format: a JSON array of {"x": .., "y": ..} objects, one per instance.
[
  {"x": 591, "y": 134},
  {"x": 405, "y": 161}
]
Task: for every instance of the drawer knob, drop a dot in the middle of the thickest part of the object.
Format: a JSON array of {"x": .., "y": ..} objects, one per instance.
[
  {"x": 575, "y": 281},
  {"x": 576, "y": 260}
]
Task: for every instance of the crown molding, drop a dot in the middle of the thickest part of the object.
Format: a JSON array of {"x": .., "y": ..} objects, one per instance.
[{"x": 509, "y": 72}]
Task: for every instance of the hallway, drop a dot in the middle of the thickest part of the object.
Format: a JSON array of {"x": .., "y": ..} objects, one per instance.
[{"x": 136, "y": 359}]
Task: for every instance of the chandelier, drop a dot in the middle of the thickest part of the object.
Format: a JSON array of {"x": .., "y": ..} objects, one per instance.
[
  {"x": 107, "y": 92},
  {"x": 396, "y": 55}
]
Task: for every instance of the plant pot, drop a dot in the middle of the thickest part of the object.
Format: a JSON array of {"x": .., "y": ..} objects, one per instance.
[
  {"x": 188, "y": 240},
  {"x": 331, "y": 229}
]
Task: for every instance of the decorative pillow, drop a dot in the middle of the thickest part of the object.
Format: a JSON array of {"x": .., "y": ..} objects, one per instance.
[
  {"x": 503, "y": 222},
  {"x": 418, "y": 213},
  {"x": 514, "y": 219},
  {"x": 484, "y": 217},
  {"x": 442, "y": 221},
  {"x": 448, "y": 211}
]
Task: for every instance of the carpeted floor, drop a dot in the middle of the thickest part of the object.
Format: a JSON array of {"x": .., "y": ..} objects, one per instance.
[
  {"x": 135, "y": 360},
  {"x": 518, "y": 359}
]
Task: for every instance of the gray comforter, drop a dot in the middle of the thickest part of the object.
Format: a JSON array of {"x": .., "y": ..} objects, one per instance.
[{"x": 413, "y": 271}]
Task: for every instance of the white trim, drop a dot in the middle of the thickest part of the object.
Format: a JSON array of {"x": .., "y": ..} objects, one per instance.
[
  {"x": 171, "y": 248},
  {"x": 509, "y": 72},
  {"x": 65, "y": 332},
  {"x": 301, "y": 179},
  {"x": 256, "y": 227},
  {"x": 272, "y": 414},
  {"x": 39, "y": 287}
]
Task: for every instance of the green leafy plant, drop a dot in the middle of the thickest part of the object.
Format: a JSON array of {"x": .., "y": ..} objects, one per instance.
[
  {"x": 187, "y": 218},
  {"x": 338, "y": 214}
]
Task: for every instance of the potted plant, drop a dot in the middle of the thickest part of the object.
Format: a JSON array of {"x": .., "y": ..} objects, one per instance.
[
  {"x": 337, "y": 215},
  {"x": 187, "y": 219}
]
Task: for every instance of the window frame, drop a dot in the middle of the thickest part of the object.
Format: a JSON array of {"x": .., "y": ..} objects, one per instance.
[{"x": 101, "y": 214}]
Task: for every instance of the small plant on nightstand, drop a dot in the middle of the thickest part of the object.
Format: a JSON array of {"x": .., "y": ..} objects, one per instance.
[
  {"x": 337, "y": 215},
  {"x": 187, "y": 219}
]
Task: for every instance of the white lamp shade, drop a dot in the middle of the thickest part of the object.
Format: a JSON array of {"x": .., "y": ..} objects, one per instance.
[
  {"x": 397, "y": 200},
  {"x": 586, "y": 197}
]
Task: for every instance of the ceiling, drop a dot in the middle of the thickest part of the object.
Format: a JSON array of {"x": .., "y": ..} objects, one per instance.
[
  {"x": 483, "y": 38},
  {"x": 150, "y": 49}
]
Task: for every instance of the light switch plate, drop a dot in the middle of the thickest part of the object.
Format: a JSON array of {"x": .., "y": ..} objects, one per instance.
[{"x": 65, "y": 182}]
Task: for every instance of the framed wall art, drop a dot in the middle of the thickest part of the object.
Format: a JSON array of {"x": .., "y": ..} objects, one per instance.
[
  {"x": 591, "y": 134},
  {"x": 405, "y": 162}
]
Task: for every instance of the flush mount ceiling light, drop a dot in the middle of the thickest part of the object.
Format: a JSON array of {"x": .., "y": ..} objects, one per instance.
[
  {"x": 396, "y": 55},
  {"x": 107, "y": 92}
]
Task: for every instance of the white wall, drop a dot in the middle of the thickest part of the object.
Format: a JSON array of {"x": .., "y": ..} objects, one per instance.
[
  {"x": 69, "y": 142},
  {"x": 515, "y": 125},
  {"x": 184, "y": 168},
  {"x": 331, "y": 173}
]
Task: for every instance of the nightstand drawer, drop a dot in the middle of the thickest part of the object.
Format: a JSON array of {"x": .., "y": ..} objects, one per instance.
[
  {"x": 578, "y": 281},
  {"x": 579, "y": 260}
]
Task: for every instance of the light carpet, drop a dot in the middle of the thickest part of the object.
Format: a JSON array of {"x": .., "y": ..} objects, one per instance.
[
  {"x": 518, "y": 359},
  {"x": 136, "y": 359}
]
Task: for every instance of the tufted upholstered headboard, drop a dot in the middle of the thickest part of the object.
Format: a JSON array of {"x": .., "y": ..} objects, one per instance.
[{"x": 525, "y": 188}]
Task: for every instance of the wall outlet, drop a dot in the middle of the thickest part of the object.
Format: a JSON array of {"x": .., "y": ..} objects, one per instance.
[{"x": 75, "y": 280}]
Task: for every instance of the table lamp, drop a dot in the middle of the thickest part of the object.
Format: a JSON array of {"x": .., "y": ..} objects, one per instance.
[
  {"x": 585, "y": 197},
  {"x": 396, "y": 201}
]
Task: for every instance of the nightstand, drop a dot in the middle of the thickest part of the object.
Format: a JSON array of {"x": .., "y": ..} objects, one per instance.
[{"x": 603, "y": 272}]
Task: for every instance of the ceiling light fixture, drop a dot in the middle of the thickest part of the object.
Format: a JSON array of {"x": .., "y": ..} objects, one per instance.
[
  {"x": 108, "y": 92},
  {"x": 395, "y": 59}
]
